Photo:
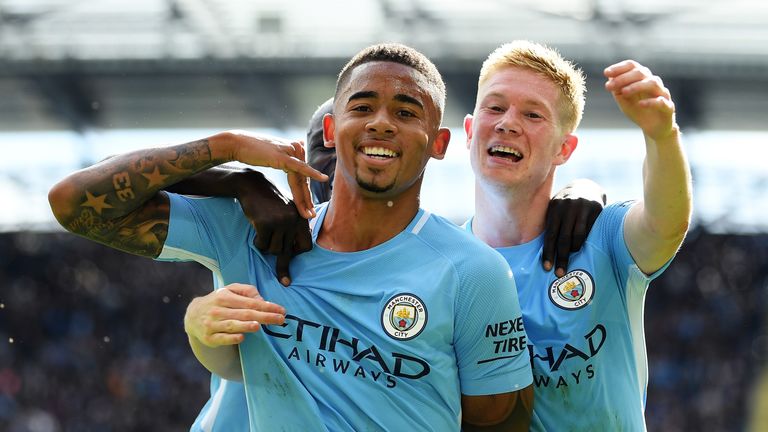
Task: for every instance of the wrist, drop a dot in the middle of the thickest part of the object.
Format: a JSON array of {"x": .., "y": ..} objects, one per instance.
[
  {"x": 671, "y": 136},
  {"x": 223, "y": 146}
]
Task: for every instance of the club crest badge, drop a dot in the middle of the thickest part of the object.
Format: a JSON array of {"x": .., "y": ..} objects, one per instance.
[
  {"x": 572, "y": 291},
  {"x": 404, "y": 316}
]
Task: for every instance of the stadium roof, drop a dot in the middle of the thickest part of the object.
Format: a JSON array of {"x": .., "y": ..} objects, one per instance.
[{"x": 84, "y": 75}]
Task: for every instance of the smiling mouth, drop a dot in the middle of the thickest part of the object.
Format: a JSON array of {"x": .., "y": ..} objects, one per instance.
[
  {"x": 506, "y": 153},
  {"x": 379, "y": 153}
]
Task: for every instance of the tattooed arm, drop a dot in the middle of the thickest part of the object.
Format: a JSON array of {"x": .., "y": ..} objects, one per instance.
[{"x": 118, "y": 201}]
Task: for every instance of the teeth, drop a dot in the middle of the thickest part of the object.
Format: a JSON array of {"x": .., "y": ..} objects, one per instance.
[
  {"x": 505, "y": 149},
  {"x": 379, "y": 151}
]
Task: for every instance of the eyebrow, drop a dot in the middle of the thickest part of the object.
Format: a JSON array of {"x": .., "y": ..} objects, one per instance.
[
  {"x": 363, "y": 95},
  {"x": 409, "y": 99},
  {"x": 527, "y": 101},
  {"x": 398, "y": 97}
]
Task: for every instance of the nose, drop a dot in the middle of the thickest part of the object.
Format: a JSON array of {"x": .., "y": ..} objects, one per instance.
[
  {"x": 508, "y": 124},
  {"x": 501, "y": 128},
  {"x": 381, "y": 122}
]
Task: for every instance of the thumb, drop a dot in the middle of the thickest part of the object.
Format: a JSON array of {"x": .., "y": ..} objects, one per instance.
[{"x": 282, "y": 268}]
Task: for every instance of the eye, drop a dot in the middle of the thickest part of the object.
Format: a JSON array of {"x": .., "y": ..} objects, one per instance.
[
  {"x": 534, "y": 115},
  {"x": 361, "y": 108},
  {"x": 496, "y": 108},
  {"x": 406, "y": 113}
]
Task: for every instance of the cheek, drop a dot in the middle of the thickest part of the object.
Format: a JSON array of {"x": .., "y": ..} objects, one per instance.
[
  {"x": 475, "y": 156},
  {"x": 474, "y": 147}
]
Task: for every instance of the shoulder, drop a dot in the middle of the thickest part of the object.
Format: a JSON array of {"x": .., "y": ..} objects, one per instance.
[
  {"x": 442, "y": 234},
  {"x": 467, "y": 253},
  {"x": 611, "y": 219},
  {"x": 201, "y": 201},
  {"x": 214, "y": 207},
  {"x": 617, "y": 209},
  {"x": 207, "y": 217},
  {"x": 607, "y": 235}
]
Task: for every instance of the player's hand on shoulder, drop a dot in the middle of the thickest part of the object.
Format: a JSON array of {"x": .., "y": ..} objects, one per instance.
[
  {"x": 570, "y": 216},
  {"x": 280, "y": 229},
  {"x": 222, "y": 317}
]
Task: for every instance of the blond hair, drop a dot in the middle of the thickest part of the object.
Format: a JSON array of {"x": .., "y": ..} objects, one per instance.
[{"x": 549, "y": 63}]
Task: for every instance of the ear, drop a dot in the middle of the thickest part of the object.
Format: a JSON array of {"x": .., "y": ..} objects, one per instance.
[
  {"x": 440, "y": 144},
  {"x": 468, "y": 121},
  {"x": 566, "y": 149},
  {"x": 329, "y": 130}
]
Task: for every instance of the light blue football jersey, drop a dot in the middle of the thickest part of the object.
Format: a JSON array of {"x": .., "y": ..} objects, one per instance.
[
  {"x": 382, "y": 339},
  {"x": 587, "y": 343},
  {"x": 226, "y": 410}
]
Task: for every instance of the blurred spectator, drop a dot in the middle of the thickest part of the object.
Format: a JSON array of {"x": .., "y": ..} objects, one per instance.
[{"x": 92, "y": 339}]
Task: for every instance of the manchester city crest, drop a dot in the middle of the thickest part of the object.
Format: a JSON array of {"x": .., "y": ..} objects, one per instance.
[
  {"x": 572, "y": 291},
  {"x": 404, "y": 316}
]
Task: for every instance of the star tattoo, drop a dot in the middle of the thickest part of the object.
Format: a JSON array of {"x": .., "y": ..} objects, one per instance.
[
  {"x": 97, "y": 203},
  {"x": 155, "y": 178}
]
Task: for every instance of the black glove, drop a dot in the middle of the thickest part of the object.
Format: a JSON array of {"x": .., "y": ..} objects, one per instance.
[
  {"x": 280, "y": 229},
  {"x": 570, "y": 216}
]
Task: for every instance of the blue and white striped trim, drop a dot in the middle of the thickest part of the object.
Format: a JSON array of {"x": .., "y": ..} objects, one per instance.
[{"x": 422, "y": 221}]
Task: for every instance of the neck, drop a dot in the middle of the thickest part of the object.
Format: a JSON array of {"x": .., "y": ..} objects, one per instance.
[
  {"x": 510, "y": 216},
  {"x": 356, "y": 221}
]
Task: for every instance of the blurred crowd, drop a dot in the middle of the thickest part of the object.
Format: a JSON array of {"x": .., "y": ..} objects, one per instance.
[
  {"x": 92, "y": 339},
  {"x": 706, "y": 334}
]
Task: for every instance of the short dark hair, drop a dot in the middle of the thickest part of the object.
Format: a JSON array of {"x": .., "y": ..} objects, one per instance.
[{"x": 405, "y": 55}]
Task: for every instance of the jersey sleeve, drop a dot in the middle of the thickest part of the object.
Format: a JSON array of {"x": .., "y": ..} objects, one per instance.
[
  {"x": 205, "y": 230},
  {"x": 490, "y": 339},
  {"x": 610, "y": 228}
]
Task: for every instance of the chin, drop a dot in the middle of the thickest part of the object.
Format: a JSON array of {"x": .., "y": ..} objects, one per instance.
[{"x": 376, "y": 189}]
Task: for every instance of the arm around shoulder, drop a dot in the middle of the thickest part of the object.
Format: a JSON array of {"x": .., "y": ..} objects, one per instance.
[
  {"x": 570, "y": 216},
  {"x": 217, "y": 322},
  {"x": 120, "y": 195},
  {"x": 117, "y": 201}
]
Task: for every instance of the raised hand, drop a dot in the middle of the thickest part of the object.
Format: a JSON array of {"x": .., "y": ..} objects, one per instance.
[
  {"x": 261, "y": 150},
  {"x": 225, "y": 315},
  {"x": 642, "y": 97}
]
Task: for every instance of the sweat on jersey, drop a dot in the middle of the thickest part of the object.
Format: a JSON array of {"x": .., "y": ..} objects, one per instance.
[{"x": 382, "y": 339}]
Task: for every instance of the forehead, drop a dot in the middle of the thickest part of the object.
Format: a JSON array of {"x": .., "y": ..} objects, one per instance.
[
  {"x": 387, "y": 80},
  {"x": 521, "y": 84}
]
